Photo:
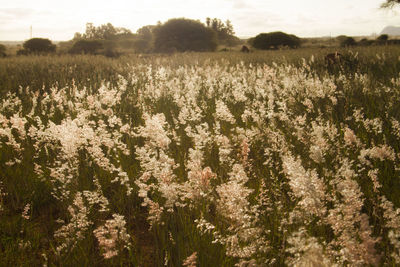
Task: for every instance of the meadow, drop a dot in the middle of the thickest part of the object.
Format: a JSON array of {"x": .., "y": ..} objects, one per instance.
[{"x": 270, "y": 158}]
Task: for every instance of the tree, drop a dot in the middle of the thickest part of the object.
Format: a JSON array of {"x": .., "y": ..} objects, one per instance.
[
  {"x": 104, "y": 32},
  {"x": 184, "y": 35},
  {"x": 107, "y": 38},
  {"x": 390, "y": 3},
  {"x": 365, "y": 42},
  {"x": 143, "y": 42},
  {"x": 86, "y": 47},
  {"x": 3, "y": 51},
  {"x": 146, "y": 32},
  {"x": 38, "y": 46},
  {"x": 225, "y": 32},
  {"x": 348, "y": 41},
  {"x": 274, "y": 40},
  {"x": 141, "y": 46},
  {"x": 341, "y": 38},
  {"x": 383, "y": 37}
]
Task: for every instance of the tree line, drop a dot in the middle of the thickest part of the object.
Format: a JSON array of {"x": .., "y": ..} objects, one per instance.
[{"x": 175, "y": 35}]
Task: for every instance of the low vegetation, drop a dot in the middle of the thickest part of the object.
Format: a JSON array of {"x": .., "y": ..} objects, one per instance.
[
  {"x": 275, "y": 40},
  {"x": 269, "y": 158},
  {"x": 37, "y": 46}
]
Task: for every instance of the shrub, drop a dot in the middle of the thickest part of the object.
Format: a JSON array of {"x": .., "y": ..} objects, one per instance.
[
  {"x": 142, "y": 46},
  {"x": 184, "y": 35},
  {"x": 86, "y": 47},
  {"x": 348, "y": 41},
  {"x": 3, "y": 51},
  {"x": 365, "y": 42},
  {"x": 38, "y": 46},
  {"x": 383, "y": 37},
  {"x": 274, "y": 40}
]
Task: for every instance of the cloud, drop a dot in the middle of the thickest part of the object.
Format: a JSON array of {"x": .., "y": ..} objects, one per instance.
[
  {"x": 250, "y": 22},
  {"x": 240, "y": 4},
  {"x": 16, "y": 13},
  {"x": 14, "y": 16}
]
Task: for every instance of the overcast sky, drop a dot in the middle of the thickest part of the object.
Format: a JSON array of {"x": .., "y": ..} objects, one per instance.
[{"x": 59, "y": 20}]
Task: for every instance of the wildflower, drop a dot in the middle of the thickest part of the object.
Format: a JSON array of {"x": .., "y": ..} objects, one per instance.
[
  {"x": 306, "y": 251},
  {"x": 191, "y": 261},
  {"x": 18, "y": 123},
  {"x": 25, "y": 214},
  {"x": 349, "y": 224},
  {"x": 392, "y": 222},
  {"x": 71, "y": 233},
  {"x": 223, "y": 113},
  {"x": 306, "y": 185},
  {"x": 383, "y": 152},
  {"x": 350, "y": 138},
  {"x": 245, "y": 151},
  {"x": 395, "y": 127},
  {"x": 112, "y": 236}
]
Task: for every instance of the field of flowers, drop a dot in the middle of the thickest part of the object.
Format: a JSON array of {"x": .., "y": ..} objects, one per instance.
[{"x": 267, "y": 159}]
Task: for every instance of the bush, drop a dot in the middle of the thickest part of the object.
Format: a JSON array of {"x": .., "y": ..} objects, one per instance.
[
  {"x": 274, "y": 40},
  {"x": 3, "y": 51},
  {"x": 142, "y": 46},
  {"x": 38, "y": 46},
  {"x": 86, "y": 47},
  {"x": 348, "y": 41},
  {"x": 184, "y": 35},
  {"x": 250, "y": 41},
  {"x": 365, "y": 42},
  {"x": 383, "y": 37},
  {"x": 341, "y": 38},
  {"x": 111, "y": 52},
  {"x": 22, "y": 52}
]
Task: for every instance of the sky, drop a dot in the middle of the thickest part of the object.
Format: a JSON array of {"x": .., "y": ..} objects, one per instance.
[{"x": 60, "y": 20}]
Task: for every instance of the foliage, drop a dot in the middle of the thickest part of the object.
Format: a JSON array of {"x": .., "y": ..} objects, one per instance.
[
  {"x": 250, "y": 41},
  {"x": 104, "y": 32},
  {"x": 349, "y": 41},
  {"x": 365, "y": 42},
  {"x": 112, "y": 40},
  {"x": 86, "y": 47},
  {"x": 390, "y": 3},
  {"x": 146, "y": 32},
  {"x": 3, "y": 50},
  {"x": 382, "y": 37},
  {"x": 201, "y": 159},
  {"x": 145, "y": 39},
  {"x": 38, "y": 46},
  {"x": 275, "y": 40},
  {"x": 142, "y": 46},
  {"x": 183, "y": 35},
  {"x": 225, "y": 32}
]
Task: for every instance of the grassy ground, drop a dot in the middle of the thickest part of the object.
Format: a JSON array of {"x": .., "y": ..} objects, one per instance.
[{"x": 223, "y": 159}]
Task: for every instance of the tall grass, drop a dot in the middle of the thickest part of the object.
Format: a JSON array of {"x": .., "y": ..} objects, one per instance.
[{"x": 207, "y": 159}]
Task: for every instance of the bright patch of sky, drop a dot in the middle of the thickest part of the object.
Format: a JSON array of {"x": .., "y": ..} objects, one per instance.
[{"x": 59, "y": 20}]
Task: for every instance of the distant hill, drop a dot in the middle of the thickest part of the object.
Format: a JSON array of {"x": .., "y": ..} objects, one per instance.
[
  {"x": 11, "y": 43},
  {"x": 391, "y": 30}
]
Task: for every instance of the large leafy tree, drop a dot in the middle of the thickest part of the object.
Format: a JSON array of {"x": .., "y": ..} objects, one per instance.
[
  {"x": 104, "y": 32},
  {"x": 225, "y": 32},
  {"x": 274, "y": 40},
  {"x": 184, "y": 35},
  {"x": 144, "y": 39},
  {"x": 38, "y": 46},
  {"x": 86, "y": 47},
  {"x": 104, "y": 39},
  {"x": 390, "y": 3}
]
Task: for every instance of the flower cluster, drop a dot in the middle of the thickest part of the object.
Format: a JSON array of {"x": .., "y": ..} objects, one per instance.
[{"x": 112, "y": 236}]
